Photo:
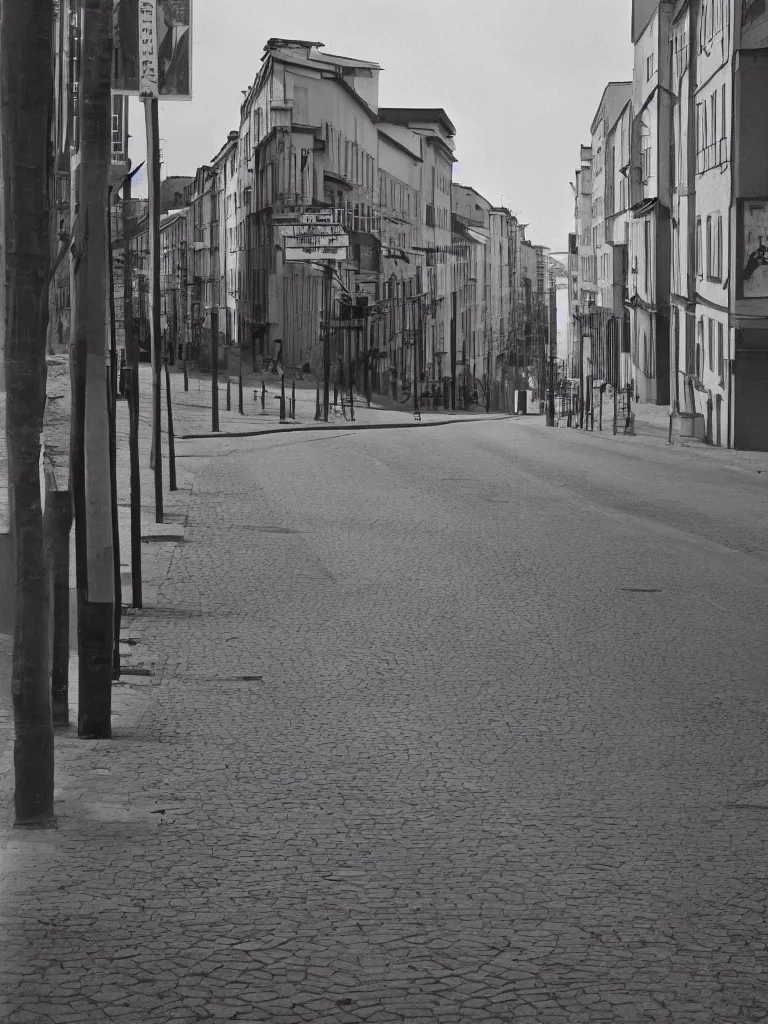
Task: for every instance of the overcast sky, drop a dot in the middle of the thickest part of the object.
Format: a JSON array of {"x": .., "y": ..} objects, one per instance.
[{"x": 521, "y": 82}]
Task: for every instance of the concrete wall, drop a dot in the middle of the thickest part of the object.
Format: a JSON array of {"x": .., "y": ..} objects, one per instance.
[{"x": 7, "y": 596}]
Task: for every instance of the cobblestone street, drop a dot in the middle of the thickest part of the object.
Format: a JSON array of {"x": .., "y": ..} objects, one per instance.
[{"x": 447, "y": 725}]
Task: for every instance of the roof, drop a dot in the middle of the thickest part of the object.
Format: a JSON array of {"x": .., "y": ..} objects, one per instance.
[
  {"x": 409, "y": 115},
  {"x": 624, "y": 87}
]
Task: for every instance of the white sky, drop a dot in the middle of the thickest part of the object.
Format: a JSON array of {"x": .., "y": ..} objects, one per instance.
[{"x": 521, "y": 82}]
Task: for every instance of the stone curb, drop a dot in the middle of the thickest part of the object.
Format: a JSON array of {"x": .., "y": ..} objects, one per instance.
[{"x": 350, "y": 426}]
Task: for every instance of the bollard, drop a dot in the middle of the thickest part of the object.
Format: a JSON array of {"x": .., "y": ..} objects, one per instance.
[
  {"x": 317, "y": 405},
  {"x": 186, "y": 377},
  {"x": 229, "y": 395},
  {"x": 293, "y": 399},
  {"x": 263, "y": 394},
  {"x": 240, "y": 394},
  {"x": 282, "y": 398}
]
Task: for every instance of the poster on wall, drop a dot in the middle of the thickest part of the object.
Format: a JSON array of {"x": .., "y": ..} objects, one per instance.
[
  {"x": 174, "y": 29},
  {"x": 753, "y": 11},
  {"x": 754, "y": 275},
  {"x": 125, "y": 42},
  {"x": 152, "y": 48},
  {"x": 754, "y": 23}
]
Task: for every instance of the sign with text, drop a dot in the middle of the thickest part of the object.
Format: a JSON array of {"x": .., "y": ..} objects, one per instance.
[
  {"x": 152, "y": 48},
  {"x": 754, "y": 246},
  {"x": 315, "y": 241},
  {"x": 310, "y": 253},
  {"x": 312, "y": 230}
]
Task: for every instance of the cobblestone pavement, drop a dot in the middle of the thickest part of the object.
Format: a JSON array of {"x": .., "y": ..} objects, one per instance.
[
  {"x": 193, "y": 406},
  {"x": 464, "y": 724}
]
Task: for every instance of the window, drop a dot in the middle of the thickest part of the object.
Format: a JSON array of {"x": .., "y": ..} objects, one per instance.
[
  {"x": 710, "y": 251},
  {"x": 719, "y": 247},
  {"x": 699, "y": 254},
  {"x": 711, "y": 345},
  {"x": 720, "y": 354},
  {"x": 713, "y": 104},
  {"x": 647, "y": 253},
  {"x": 690, "y": 344},
  {"x": 649, "y": 67},
  {"x": 699, "y": 347}
]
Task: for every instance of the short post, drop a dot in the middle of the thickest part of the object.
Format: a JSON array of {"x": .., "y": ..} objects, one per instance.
[
  {"x": 601, "y": 407},
  {"x": 229, "y": 394},
  {"x": 171, "y": 438},
  {"x": 263, "y": 395},
  {"x": 240, "y": 393},
  {"x": 317, "y": 405},
  {"x": 293, "y": 399},
  {"x": 282, "y": 398},
  {"x": 186, "y": 376}
]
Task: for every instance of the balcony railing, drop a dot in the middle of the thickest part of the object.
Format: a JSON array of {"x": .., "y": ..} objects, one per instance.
[{"x": 712, "y": 155}]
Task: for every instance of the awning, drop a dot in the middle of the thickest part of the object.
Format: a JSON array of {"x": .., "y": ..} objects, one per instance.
[
  {"x": 477, "y": 237},
  {"x": 644, "y": 207}
]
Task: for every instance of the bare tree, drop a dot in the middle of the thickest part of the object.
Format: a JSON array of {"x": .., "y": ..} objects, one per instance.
[{"x": 26, "y": 94}]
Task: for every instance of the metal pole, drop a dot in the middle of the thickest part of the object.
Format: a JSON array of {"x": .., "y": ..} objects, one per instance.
[
  {"x": 616, "y": 376},
  {"x": 582, "y": 396},
  {"x": 327, "y": 340},
  {"x": 293, "y": 399},
  {"x": 171, "y": 439},
  {"x": 153, "y": 161},
  {"x": 112, "y": 409},
  {"x": 215, "y": 370},
  {"x": 132, "y": 359}
]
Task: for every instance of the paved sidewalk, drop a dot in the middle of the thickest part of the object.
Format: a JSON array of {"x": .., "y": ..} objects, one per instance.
[
  {"x": 652, "y": 429},
  {"x": 192, "y": 408}
]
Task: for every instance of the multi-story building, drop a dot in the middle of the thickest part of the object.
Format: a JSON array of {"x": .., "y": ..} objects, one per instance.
[
  {"x": 686, "y": 393},
  {"x": 472, "y": 228},
  {"x": 173, "y": 279},
  {"x": 446, "y": 269},
  {"x": 400, "y": 214},
  {"x": 650, "y": 200},
  {"x": 746, "y": 88},
  {"x": 598, "y": 248},
  {"x": 617, "y": 358},
  {"x": 223, "y": 243}
]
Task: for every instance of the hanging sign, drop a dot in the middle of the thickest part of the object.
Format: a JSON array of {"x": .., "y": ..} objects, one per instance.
[
  {"x": 313, "y": 230},
  {"x": 152, "y": 48},
  {"x": 315, "y": 241},
  {"x": 149, "y": 87},
  {"x": 312, "y": 252}
]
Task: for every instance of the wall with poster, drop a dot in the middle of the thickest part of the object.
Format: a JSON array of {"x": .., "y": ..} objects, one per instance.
[
  {"x": 754, "y": 24},
  {"x": 754, "y": 249},
  {"x": 166, "y": 29}
]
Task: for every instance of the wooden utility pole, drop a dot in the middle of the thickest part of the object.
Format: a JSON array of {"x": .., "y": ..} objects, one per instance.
[
  {"x": 132, "y": 359},
  {"x": 112, "y": 405},
  {"x": 153, "y": 177},
  {"x": 26, "y": 61},
  {"x": 95, "y": 600}
]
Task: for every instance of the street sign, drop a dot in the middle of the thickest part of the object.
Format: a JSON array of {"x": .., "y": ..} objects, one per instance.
[
  {"x": 152, "y": 48},
  {"x": 316, "y": 241},
  {"x": 310, "y": 253},
  {"x": 309, "y": 230}
]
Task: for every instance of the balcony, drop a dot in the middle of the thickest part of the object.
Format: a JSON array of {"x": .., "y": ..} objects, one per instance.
[{"x": 712, "y": 156}]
